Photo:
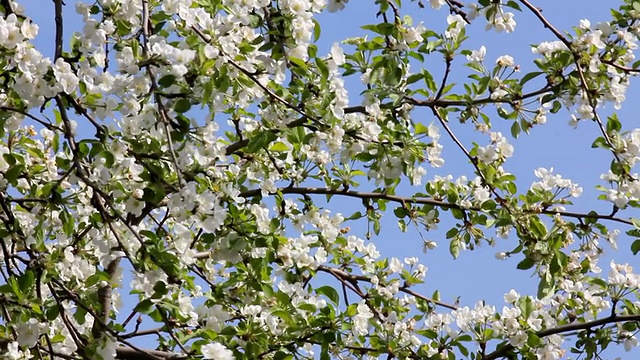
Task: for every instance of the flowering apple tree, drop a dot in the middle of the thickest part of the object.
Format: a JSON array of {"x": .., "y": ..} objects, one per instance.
[{"x": 188, "y": 179}]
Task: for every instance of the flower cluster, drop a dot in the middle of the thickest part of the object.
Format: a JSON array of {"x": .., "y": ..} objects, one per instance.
[{"x": 181, "y": 163}]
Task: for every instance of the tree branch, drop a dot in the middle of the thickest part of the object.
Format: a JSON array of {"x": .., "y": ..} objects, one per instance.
[
  {"x": 59, "y": 29},
  {"x": 343, "y": 275},
  {"x": 431, "y": 102},
  {"x": 424, "y": 201},
  {"x": 566, "y": 328}
]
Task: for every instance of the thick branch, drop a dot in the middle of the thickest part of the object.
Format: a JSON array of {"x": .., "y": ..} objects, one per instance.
[
  {"x": 105, "y": 295},
  {"x": 59, "y": 29},
  {"x": 424, "y": 201},
  {"x": 567, "y": 328}
]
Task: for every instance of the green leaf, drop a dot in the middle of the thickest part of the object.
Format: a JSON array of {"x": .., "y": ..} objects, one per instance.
[
  {"x": 428, "y": 80},
  {"x": 421, "y": 129},
  {"x": 299, "y": 63},
  {"x": 167, "y": 80},
  {"x": 307, "y": 307},
  {"x": 530, "y": 76},
  {"x": 79, "y": 315},
  {"x": 279, "y": 146},
  {"x": 401, "y": 212},
  {"x": 182, "y": 106},
  {"x": 108, "y": 157},
  {"x": 533, "y": 340},
  {"x": 548, "y": 98},
  {"x": 515, "y": 129},
  {"x": 12, "y": 174},
  {"x": 557, "y": 105},
  {"x": 385, "y": 28},
  {"x": 454, "y": 248},
  {"x": 144, "y": 306},
  {"x": 329, "y": 292},
  {"x": 537, "y": 227},
  {"x": 525, "y": 264},
  {"x": 52, "y": 313},
  {"x": 324, "y": 351},
  {"x": 402, "y": 225},
  {"x": 159, "y": 289},
  {"x": 153, "y": 194},
  {"x": 452, "y": 233},
  {"x": 546, "y": 286},
  {"x": 635, "y": 247},
  {"x": 26, "y": 281},
  {"x": 68, "y": 222},
  {"x": 316, "y": 30},
  {"x": 413, "y": 78},
  {"x": 11, "y": 159},
  {"x": 489, "y": 205},
  {"x": 613, "y": 124},
  {"x": 282, "y": 356},
  {"x": 416, "y": 56},
  {"x": 457, "y": 213},
  {"x": 260, "y": 141},
  {"x": 600, "y": 142},
  {"x": 630, "y": 326},
  {"x": 322, "y": 66}
]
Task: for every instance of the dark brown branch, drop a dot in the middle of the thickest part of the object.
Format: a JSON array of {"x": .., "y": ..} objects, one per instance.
[
  {"x": 564, "y": 329},
  {"x": 583, "y": 216},
  {"x": 443, "y": 103},
  {"x": 455, "y": 7},
  {"x": 447, "y": 70},
  {"x": 104, "y": 297},
  {"x": 137, "y": 333},
  {"x": 39, "y": 121},
  {"x": 8, "y": 223},
  {"x": 59, "y": 29},
  {"x": 424, "y": 201},
  {"x": 620, "y": 67},
  {"x": 343, "y": 275}
]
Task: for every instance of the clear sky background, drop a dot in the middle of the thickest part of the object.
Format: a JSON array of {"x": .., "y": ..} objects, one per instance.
[{"x": 474, "y": 275}]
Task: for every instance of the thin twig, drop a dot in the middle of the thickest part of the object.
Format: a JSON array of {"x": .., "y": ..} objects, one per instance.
[
  {"x": 447, "y": 70},
  {"x": 583, "y": 81},
  {"x": 340, "y": 274},
  {"x": 41, "y": 122}
]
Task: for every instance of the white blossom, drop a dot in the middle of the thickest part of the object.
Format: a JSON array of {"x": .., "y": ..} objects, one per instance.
[{"x": 216, "y": 351}]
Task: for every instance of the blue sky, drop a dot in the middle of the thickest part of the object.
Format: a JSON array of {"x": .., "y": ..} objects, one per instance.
[{"x": 474, "y": 275}]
